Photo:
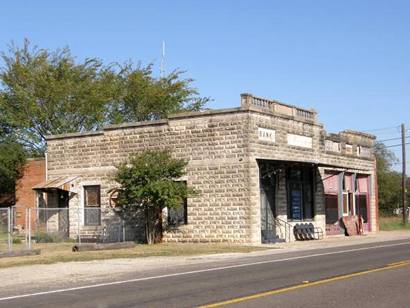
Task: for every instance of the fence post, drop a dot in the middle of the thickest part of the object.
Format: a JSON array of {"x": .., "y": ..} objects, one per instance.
[
  {"x": 46, "y": 216},
  {"x": 29, "y": 228},
  {"x": 26, "y": 226},
  {"x": 123, "y": 229},
  {"x": 78, "y": 225},
  {"x": 9, "y": 242}
]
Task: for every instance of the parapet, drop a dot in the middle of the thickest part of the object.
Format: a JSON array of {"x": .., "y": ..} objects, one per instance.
[{"x": 250, "y": 101}]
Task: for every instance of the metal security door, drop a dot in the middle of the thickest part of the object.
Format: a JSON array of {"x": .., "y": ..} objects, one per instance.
[{"x": 268, "y": 212}]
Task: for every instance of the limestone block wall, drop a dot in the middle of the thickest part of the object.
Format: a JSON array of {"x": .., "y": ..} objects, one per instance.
[
  {"x": 222, "y": 149},
  {"x": 215, "y": 146},
  {"x": 280, "y": 150}
]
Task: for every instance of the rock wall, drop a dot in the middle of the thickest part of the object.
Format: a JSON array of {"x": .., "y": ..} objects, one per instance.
[{"x": 222, "y": 148}]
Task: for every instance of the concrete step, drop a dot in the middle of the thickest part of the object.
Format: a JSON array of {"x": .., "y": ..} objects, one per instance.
[{"x": 269, "y": 236}]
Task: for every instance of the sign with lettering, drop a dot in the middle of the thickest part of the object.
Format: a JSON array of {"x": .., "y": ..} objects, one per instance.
[
  {"x": 300, "y": 141},
  {"x": 266, "y": 134}
]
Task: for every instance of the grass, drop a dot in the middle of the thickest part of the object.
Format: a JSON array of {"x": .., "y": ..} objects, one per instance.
[
  {"x": 392, "y": 223},
  {"x": 61, "y": 252}
]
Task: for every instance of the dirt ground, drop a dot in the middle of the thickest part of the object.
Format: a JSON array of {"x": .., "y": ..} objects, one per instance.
[{"x": 61, "y": 252}]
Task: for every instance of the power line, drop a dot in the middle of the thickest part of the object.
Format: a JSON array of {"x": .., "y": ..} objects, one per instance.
[
  {"x": 396, "y": 145},
  {"x": 398, "y": 138},
  {"x": 382, "y": 128}
]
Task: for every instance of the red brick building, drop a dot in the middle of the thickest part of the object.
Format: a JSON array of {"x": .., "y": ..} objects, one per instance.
[{"x": 34, "y": 173}]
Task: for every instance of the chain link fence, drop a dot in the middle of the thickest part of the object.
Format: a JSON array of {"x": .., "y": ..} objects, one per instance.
[
  {"x": 10, "y": 237},
  {"x": 24, "y": 228},
  {"x": 5, "y": 227}
]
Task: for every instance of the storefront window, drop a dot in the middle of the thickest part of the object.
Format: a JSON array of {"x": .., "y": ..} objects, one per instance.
[{"x": 300, "y": 193}]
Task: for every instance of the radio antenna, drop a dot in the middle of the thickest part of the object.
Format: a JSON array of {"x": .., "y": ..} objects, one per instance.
[{"x": 162, "y": 67}]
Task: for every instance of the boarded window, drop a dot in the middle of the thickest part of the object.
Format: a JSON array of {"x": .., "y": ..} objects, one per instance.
[
  {"x": 331, "y": 209},
  {"x": 331, "y": 183},
  {"x": 348, "y": 185},
  {"x": 92, "y": 205},
  {"x": 362, "y": 184}
]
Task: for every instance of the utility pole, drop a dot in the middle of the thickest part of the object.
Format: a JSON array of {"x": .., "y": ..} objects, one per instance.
[{"x": 404, "y": 177}]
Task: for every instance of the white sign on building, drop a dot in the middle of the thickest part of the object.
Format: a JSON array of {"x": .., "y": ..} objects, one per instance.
[
  {"x": 266, "y": 134},
  {"x": 300, "y": 141}
]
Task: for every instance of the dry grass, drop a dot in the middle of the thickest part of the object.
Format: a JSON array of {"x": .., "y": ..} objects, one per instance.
[
  {"x": 393, "y": 223},
  {"x": 61, "y": 252}
]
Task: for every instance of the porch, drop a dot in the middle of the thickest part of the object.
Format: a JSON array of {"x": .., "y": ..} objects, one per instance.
[{"x": 288, "y": 194}]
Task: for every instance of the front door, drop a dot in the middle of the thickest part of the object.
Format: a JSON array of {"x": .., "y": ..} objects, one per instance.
[
  {"x": 362, "y": 210},
  {"x": 268, "y": 212}
]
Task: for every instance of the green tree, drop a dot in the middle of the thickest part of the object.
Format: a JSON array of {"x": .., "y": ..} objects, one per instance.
[
  {"x": 143, "y": 97},
  {"x": 389, "y": 181},
  {"x": 147, "y": 184},
  {"x": 12, "y": 159},
  {"x": 46, "y": 92}
]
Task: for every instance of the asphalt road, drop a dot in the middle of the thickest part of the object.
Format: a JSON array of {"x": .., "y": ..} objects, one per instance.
[{"x": 353, "y": 276}]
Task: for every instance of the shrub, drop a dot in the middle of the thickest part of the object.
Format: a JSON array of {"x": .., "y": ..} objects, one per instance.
[
  {"x": 43, "y": 237},
  {"x": 16, "y": 241}
]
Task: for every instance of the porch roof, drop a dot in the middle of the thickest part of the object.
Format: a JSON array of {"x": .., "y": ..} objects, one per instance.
[{"x": 62, "y": 183}]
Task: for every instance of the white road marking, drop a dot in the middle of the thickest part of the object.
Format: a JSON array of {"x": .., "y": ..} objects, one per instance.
[{"x": 213, "y": 269}]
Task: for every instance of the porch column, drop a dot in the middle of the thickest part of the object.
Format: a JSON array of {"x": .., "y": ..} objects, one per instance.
[{"x": 340, "y": 200}]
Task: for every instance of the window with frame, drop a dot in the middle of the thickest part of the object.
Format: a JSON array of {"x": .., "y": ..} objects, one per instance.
[
  {"x": 348, "y": 204},
  {"x": 179, "y": 216},
  {"x": 300, "y": 193},
  {"x": 92, "y": 205}
]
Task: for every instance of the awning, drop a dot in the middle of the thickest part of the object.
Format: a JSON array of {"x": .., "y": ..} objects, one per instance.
[
  {"x": 344, "y": 167},
  {"x": 62, "y": 183}
]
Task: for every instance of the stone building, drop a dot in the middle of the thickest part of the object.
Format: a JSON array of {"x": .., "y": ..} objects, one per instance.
[{"x": 258, "y": 169}]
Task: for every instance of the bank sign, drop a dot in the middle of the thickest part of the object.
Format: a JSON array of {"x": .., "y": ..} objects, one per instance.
[{"x": 266, "y": 134}]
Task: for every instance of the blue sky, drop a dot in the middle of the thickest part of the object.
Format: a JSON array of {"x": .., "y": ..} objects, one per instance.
[{"x": 350, "y": 60}]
